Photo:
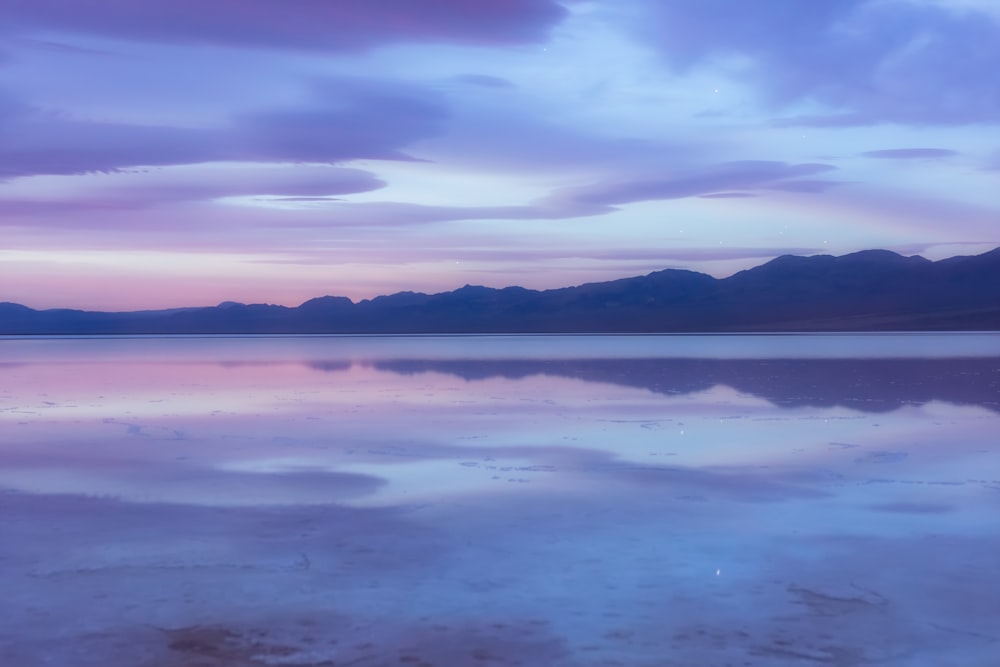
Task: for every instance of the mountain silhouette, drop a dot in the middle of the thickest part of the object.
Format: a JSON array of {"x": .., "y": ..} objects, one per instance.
[
  {"x": 865, "y": 385},
  {"x": 871, "y": 290}
]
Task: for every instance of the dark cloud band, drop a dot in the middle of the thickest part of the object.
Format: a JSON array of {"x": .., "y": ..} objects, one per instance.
[{"x": 316, "y": 25}]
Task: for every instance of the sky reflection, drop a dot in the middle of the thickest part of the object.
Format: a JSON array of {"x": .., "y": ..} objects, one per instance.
[
  {"x": 535, "y": 506},
  {"x": 320, "y": 422}
]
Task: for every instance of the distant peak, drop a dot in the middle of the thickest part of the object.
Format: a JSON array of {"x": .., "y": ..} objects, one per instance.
[
  {"x": 473, "y": 289},
  {"x": 887, "y": 257},
  {"x": 876, "y": 253},
  {"x": 327, "y": 300},
  {"x": 9, "y": 305}
]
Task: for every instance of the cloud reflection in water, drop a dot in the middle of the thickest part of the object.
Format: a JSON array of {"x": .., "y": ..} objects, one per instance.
[{"x": 563, "y": 510}]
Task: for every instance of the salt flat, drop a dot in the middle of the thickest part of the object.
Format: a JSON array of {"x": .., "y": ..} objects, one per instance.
[{"x": 660, "y": 500}]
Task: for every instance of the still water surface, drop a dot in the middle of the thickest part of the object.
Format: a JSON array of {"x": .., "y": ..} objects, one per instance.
[{"x": 508, "y": 500}]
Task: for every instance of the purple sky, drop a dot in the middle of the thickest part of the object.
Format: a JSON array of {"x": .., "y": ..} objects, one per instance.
[{"x": 179, "y": 152}]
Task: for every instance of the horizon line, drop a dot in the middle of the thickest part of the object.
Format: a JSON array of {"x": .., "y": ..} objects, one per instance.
[{"x": 470, "y": 285}]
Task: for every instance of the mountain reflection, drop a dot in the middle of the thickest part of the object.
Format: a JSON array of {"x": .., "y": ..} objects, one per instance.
[{"x": 867, "y": 385}]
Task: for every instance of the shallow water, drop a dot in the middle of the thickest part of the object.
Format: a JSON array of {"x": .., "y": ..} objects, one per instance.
[{"x": 507, "y": 500}]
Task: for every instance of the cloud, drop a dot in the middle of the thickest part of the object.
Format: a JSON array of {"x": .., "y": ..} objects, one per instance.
[
  {"x": 71, "y": 50},
  {"x": 484, "y": 80},
  {"x": 728, "y": 195},
  {"x": 350, "y": 119},
  {"x": 190, "y": 190},
  {"x": 659, "y": 256},
  {"x": 41, "y": 143},
  {"x": 315, "y": 25},
  {"x": 509, "y": 135},
  {"x": 903, "y": 507},
  {"x": 399, "y": 214},
  {"x": 344, "y": 119},
  {"x": 580, "y": 201},
  {"x": 804, "y": 185},
  {"x": 476, "y": 258},
  {"x": 862, "y": 61},
  {"x": 690, "y": 33},
  {"x": 726, "y": 177},
  {"x": 301, "y": 182},
  {"x": 910, "y": 153}
]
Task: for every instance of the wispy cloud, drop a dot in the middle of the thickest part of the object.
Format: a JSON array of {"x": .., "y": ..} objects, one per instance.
[
  {"x": 344, "y": 119},
  {"x": 319, "y": 25},
  {"x": 484, "y": 80},
  {"x": 865, "y": 61},
  {"x": 740, "y": 175},
  {"x": 392, "y": 141},
  {"x": 910, "y": 153}
]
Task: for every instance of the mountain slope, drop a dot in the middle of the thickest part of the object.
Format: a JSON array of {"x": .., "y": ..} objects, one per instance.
[{"x": 873, "y": 290}]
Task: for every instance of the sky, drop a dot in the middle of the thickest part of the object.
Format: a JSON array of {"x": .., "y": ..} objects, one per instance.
[{"x": 172, "y": 153}]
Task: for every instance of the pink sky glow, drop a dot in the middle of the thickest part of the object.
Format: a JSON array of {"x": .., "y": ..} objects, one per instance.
[{"x": 171, "y": 153}]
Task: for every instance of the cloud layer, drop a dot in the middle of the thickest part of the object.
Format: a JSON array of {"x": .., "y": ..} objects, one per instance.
[
  {"x": 344, "y": 25},
  {"x": 282, "y": 150},
  {"x": 345, "y": 119},
  {"x": 865, "y": 61}
]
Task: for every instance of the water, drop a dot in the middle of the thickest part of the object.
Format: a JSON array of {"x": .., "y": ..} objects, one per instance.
[{"x": 477, "y": 500}]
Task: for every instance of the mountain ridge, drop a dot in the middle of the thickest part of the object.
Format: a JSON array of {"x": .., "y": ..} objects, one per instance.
[{"x": 869, "y": 290}]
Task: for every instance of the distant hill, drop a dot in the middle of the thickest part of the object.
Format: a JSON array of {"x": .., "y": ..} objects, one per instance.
[{"x": 872, "y": 290}]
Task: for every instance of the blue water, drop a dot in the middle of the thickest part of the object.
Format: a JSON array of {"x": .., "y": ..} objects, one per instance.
[{"x": 500, "y": 500}]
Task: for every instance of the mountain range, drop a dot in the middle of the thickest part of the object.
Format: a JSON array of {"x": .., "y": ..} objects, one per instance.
[{"x": 871, "y": 290}]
